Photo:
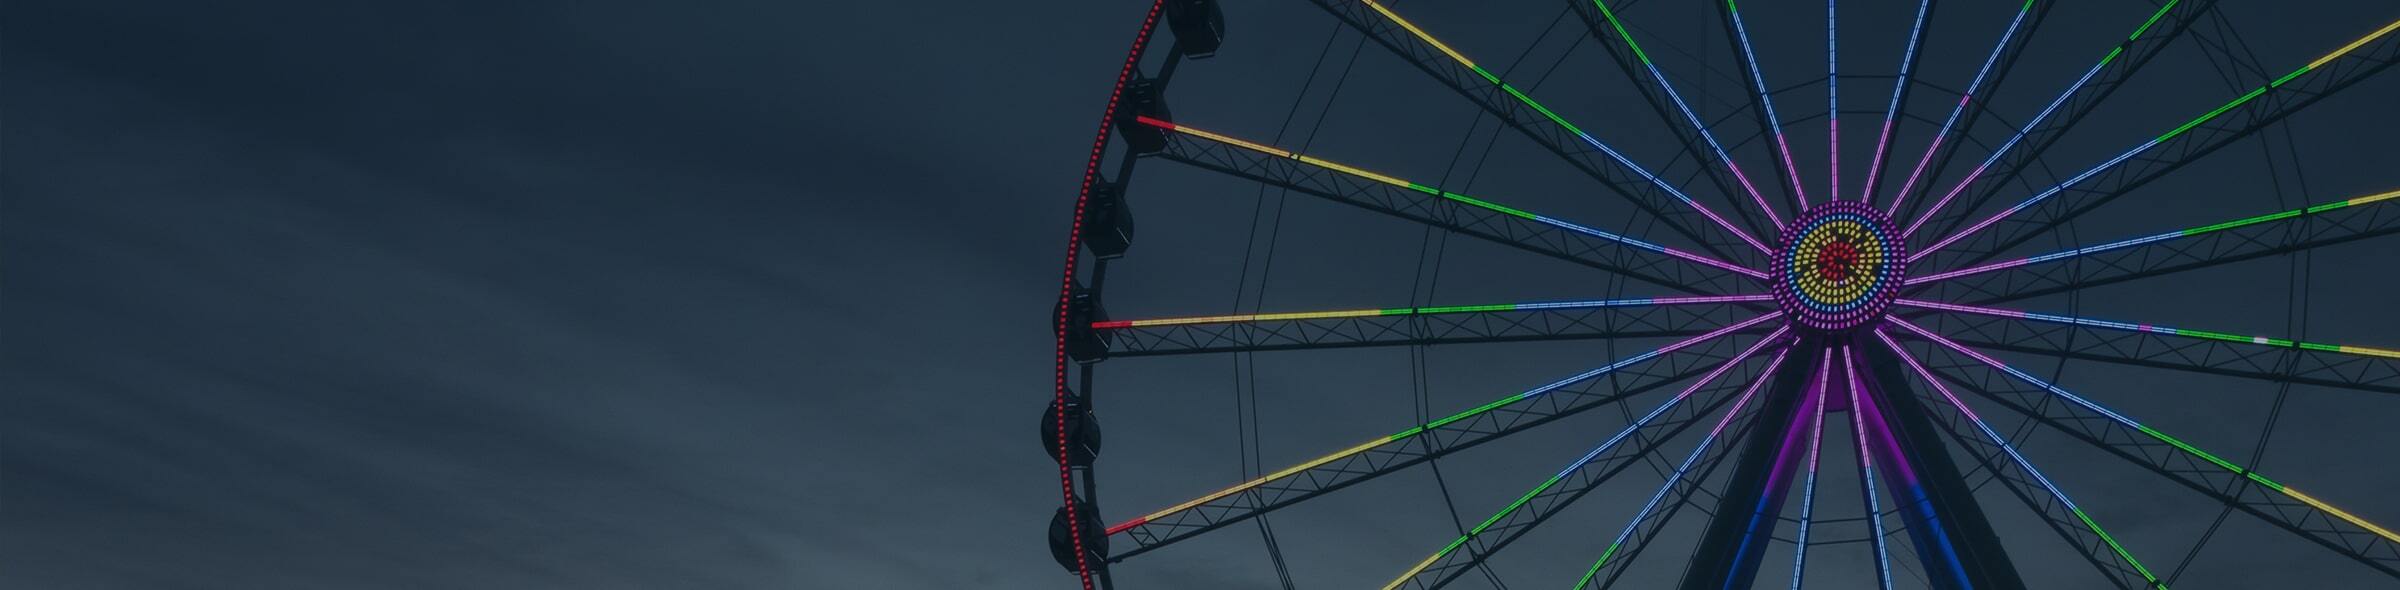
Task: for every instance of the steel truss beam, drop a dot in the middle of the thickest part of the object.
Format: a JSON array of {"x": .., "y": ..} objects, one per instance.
[
  {"x": 1538, "y": 508},
  {"x": 1446, "y": 328},
  {"x": 1716, "y": 562},
  {"x": 1683, "y": 490},
  {"x": 2169, "y": 256},
  {"x": 1444, "y": 439},
  {"x": 2174, "y": 153},
  {"x": 2147, "y": 349},
  {"x": 1684, "y": 133},
  {"x": 2038, "y": 140},
  {"x": 1991, "y": 458},
  {"x": 2234, "y": 489},
  {"x": 1980, "y": 110},
  {"x": 1535, "y": 125},
  {"x": 1964, "y": 527},
  {"x": 1509, "y": 230}
]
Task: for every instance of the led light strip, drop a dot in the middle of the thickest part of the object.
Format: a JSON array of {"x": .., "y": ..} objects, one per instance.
[
  {"x": 1689, "y": 116},
  {"x": 1784, "y": 459},
  {"x": 1392, "y": 311},
  {"x": 1963, "y": 98},
  {"x": 1891, "y": 113},
  {"x": 1866, "y": 473},
  {"x": 1686, "y": 466},
  {"x": 1570, "y": 127},
  {"x": 1091, "y": 172},
  {"x": 2387, "y": 534},
  {"x": 1833, "y": 121},
  {"x": 1908, "y": 494},
  {"x": 1587, "y": 458},
  {"x": 1345, "y": 169},
  {"x": 2038, "y": 118},
  {"x": 1766, "y": 99},
  {"x": 1808, "y": 491},
  {"x": 2145, "y": 146},
  {"x": 1413, "y": 431},
  {"x": 2187, "y": 232},
  {"x": 2020, "y": 460},
  {"x": 2087, "y": 322},
  {"x": 1837, "y": 296},
  {"x": 1873, "y": 277}
]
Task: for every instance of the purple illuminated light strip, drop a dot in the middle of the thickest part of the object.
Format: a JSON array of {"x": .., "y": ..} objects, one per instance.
[
  {"x": 1833, "y": 116},
  {"x": 1766, "y": 100},
  {"x": 2229, "y": 106},
  {"x": 2020, "y": 460},
  {"x": 2037, "y": 119},
  {"x": 1688, "y": 115},
  {"x": 1587, "y": 458},
  {"x": 1784, "y": 460},
  {"x": 1686, "y": 466},
  {"x": 1816, "y": 446},
  {"x": 2228, "y": 466},
  {"x": 1963, "y": 99},
  {"x": 1866, "y": 473},
  {"x": 1883, "y": 139},
  {"x": 1909, "y": 495}
]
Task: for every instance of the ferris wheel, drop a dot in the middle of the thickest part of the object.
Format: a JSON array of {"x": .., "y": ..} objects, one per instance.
[{"x": 1814, "y": 314}]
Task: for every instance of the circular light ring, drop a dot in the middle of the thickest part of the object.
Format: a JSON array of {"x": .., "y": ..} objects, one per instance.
[{"x": 1840, "y": 266}]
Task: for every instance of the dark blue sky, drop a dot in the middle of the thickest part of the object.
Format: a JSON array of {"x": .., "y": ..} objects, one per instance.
[{"x": 752, "y": 294}]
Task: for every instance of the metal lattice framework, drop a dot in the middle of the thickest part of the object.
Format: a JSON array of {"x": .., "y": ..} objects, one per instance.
[{"x": 1791, "y": 312}]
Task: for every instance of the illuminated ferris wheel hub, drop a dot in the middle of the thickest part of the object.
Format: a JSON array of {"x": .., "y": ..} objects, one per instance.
[{"x": 1839, "y": 267}]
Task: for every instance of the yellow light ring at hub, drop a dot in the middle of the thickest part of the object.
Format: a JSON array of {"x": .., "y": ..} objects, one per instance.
[{"x": 1854, "y": 283}]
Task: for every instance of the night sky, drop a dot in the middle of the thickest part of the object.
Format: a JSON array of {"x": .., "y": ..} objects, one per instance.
[{"x": 755, "y": 294}]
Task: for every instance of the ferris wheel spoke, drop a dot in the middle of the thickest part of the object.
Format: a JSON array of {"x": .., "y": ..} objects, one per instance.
[
  {"x": 1687, "y": 137},
  {"x": 1508, "y": 415},
  {"x": 2303, "y": 212},
  {"x": 1808, "y": 490},
  {"x": 1833, "y": 127},
  {"x": 1866, "y": 472},
  {"x": 2131, "y": 55},
  {"x": 1415, "y": 311},
  {"x": 1637, "y": 184},
  {"x": 1723, "y": 158},
  {"x": 2125, "y": 571},
  {"x": 1580, "y": 476},
  {"x": 1768, "y": 119},
  {"x": 2153, "y": 259},
  {"x": 2247, "y": 490},
  {"x": 1424, "y": 203},
  {"x": 2379, "y": 53},
  {"x": 1942, "y": 134},
  {"x": 2270, "y": 359},
  {"x": 1891, "y": 112},
  {"x": 1516, "y": 322},
  {"x": 2155, "y": 329},
  {"x": 2132, "y": 46},
  {"x": 1677, "y": 480}
]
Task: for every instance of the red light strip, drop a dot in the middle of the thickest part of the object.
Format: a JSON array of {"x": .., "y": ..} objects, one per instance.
[{"x": 1066, "y": 287}]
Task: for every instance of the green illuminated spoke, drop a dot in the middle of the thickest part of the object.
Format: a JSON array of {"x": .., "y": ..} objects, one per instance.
[
  {"x": 2121, "y": 419},
  {"x": 2245, "y": 98},
  {"x": 2181, "y": 233},
  {"x": 1454, "y": 197},
  {"x": 2154, "y": 329},
  {"x": 1579, "y": 133}
]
